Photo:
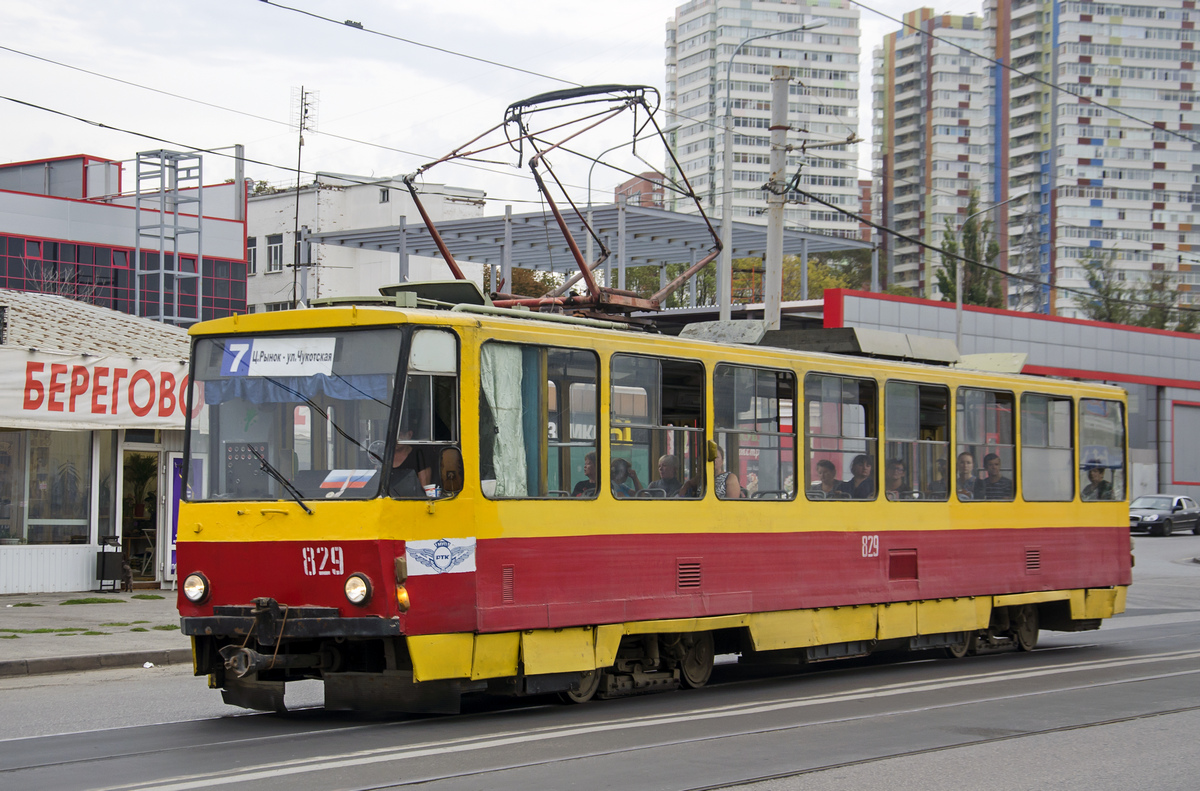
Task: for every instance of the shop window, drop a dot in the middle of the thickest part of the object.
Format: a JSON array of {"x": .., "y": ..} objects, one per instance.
[
  {"x": 657, "y": 427},
  {"x": 917, "y": 450},
  {"x": 57, "y": 486},
  {"x": 537, "y": 422},
  {"x": 840, "y": 436},
  {"x": 1047, "y": 470},
  {"x": 1101, "y": 450},
  {"x": 754, "y": 410},
  {"x": 985, "y": 435}
]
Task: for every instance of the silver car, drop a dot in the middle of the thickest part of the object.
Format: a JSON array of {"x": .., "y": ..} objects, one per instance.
[{"x": 1163, "y": 514}]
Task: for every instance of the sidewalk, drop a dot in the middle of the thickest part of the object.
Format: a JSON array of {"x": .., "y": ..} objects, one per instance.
[{"x": 124, "y": 631}]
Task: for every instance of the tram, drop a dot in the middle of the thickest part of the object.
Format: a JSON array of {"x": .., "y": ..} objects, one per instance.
[
  {"x": 434, "y": 492},
  {"x": 414, "y": 504}
]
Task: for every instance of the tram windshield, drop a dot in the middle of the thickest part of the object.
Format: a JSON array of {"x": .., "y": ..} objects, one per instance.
[{"x": 300, "y": 416}]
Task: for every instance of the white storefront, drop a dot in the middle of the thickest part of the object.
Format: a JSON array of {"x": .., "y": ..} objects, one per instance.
[{"x": 91, "y": 440}]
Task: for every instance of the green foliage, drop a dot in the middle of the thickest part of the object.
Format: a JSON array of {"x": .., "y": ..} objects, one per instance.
[
  {"x": 263, "y": 188},
  {"x": 1154, "y": 305},
  {"x": 1110, "y": 297},
  {"x": 531, "y": 283},
  {"x": 981, "y": 285},
  {"x": 150, "y": 596}
]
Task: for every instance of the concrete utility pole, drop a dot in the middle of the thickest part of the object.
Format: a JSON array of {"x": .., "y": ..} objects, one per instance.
[
  {"x": 725, "y": 262},
  {"x": 777, "y": 180}
]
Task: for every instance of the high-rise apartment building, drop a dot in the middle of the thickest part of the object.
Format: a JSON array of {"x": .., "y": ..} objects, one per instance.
[
  {"x": 702, "y": 69},
  {"x": 1087, "y": 181},
  {"x": 1074, "y": 120},
  {"x": 932, "y": 129}
]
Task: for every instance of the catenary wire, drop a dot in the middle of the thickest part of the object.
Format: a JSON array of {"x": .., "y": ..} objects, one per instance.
[{"x": 359, "y": 26}]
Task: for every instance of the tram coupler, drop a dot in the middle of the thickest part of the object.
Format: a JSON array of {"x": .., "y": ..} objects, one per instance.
[
  {"x": 242, "y": 661},
  {"x": 267, "y": 614}
]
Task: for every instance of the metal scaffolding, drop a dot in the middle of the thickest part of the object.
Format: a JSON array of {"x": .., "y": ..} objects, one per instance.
[{"x": 167, "y": 183}]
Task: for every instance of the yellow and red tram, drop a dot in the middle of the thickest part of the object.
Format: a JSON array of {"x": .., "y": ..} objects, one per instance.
[{"x": 415, "y": 504}]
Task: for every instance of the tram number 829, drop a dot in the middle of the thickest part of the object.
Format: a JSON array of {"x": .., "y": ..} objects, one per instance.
[
  {"x": 870, "y": 546},
  {"x": 323, "y": 561}
]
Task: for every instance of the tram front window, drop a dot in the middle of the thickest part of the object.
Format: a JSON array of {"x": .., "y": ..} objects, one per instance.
[{"x": 287, "y": 416}]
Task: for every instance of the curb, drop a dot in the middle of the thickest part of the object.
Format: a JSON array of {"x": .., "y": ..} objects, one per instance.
[{"x": 73, "y": 664}]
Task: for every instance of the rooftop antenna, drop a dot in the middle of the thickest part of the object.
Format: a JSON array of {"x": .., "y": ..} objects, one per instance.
[{"x": 303, "y": 119}]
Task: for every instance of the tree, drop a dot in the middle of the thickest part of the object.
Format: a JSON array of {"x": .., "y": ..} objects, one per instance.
[
  {"x": 1110, "y": 298},
  {"x": 1157, "y": 299},
  {"x": 981, "y": 284},
  {"x": 531, "y": 283}
]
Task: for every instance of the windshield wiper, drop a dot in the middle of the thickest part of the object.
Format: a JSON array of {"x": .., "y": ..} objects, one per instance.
[{"x": 277, "y": 475}]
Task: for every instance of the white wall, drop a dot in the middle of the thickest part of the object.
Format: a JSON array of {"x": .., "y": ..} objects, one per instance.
[
  {"x": 106, "y": 224},
  {"x": 342, "y": 204},
  {"x": 51, "y": 568}
]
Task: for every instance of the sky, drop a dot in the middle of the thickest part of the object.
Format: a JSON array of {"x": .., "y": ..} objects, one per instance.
[{"x": 209, "y": 74}]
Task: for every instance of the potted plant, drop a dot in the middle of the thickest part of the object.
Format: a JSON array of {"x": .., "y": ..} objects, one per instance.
[{"x": 140, "y": 469}]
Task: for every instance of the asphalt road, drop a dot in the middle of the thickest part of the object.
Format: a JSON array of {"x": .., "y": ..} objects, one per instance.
[{"x": 1117, "y": 708}]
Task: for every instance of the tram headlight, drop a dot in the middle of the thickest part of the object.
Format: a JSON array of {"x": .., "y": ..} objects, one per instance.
[
  {"x": 195, "y": 588},
  {"x": 358, "y": 589}
]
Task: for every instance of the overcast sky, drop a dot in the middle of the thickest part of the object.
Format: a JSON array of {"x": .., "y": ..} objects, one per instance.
[{"x": 398, "y": 104}]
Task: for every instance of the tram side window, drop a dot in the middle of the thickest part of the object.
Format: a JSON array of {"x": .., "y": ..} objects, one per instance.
[
  {"x": 1101, "y": 450},
  {"x": 427, "y": 459},
  {"x": 1047, "y": 470},
  {"x": 537, "y": 422},
  {"x": 986, "y": 445},
  {"x": 754, "y": 409},
  {"x": 840, "y": 438},
  {"x": 917, "y": 433},
  {"x": 657, "y": 442}
]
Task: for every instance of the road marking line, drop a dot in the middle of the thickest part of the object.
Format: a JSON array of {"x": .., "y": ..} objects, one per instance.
[{"x": 467, "y": 744}]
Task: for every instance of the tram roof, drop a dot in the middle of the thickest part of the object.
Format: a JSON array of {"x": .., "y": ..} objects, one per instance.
[{"x": 653, "y": 237}]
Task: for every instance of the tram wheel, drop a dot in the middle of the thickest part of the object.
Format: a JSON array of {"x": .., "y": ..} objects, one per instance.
[
  {"x": 697, "y": 664},
  {"x": 1025, "y": 627},
  {"x": 958, "y": 650},
  {"x": 589, "y": 683}
]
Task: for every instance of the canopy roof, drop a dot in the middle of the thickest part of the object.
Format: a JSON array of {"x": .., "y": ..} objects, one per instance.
[{"x": 653, "y": 237}]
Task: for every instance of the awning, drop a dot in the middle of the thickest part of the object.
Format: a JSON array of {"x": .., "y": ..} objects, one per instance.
[{"x": 62, "y": 391}]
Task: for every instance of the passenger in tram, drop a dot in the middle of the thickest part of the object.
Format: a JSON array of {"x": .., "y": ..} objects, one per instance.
[
  {"x": 668, "y": 476},
  {"x": 1097, "y": 488},
  {"x": 587, "y": 487},
  {"x": 726, "y": 484},
  {"x": 995, "y": 486},
  {"x": 964, "y": 476},
  {"x": 827, "y": 486},
  {"x": 452, "y": 470},
  {"x": 624, "y": 477},
  {"x": 895, "y": 480},
  {"x": 411, "y": 473},
  {"x": 862, "y": 485}
]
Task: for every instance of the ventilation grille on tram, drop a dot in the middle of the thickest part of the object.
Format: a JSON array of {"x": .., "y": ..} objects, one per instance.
[
  {"x": 506, "y": 584},
  {"x": 687, "y": 574},
  {"x": 1033, "y": 560}
]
